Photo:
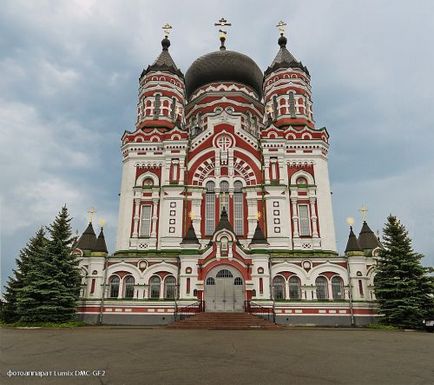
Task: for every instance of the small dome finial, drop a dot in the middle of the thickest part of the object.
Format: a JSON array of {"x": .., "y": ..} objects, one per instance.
[
  {"x": 167, "y": 28},
  {"x": 223, "y": 33},
  {"x": 282, "y": 39}
]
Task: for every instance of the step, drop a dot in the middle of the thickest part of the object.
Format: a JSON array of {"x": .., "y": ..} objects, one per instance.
[{"x": 224, "y": 321}]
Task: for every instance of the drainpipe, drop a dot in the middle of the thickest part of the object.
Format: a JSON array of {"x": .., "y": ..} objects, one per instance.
[{"x": 101, "y": 308}]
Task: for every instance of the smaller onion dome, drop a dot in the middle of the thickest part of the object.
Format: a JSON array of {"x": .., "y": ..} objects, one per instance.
[
  {"x": 284, "y": 59},
  {"x": 164, "y": 61}
]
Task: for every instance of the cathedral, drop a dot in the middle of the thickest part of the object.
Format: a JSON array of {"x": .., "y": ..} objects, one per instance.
[{"x": 225, "y": 202}]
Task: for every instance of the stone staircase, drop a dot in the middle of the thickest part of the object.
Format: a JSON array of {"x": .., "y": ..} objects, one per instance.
[{"x": 223, "y": 321}]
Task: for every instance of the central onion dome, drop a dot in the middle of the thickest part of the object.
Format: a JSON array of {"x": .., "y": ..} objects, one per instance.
[{"x": 224, "y": 66}]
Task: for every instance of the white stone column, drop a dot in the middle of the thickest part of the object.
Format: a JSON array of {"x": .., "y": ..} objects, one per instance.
[
  {"x": 181, "y": 171},
  {"x": 267, "y": 171},
  {"x": 136, "y": 217},
  {"x": 294, "y": 217},
  {"x": 154, "y": 217},
  {"x": 313, "y": 217}
]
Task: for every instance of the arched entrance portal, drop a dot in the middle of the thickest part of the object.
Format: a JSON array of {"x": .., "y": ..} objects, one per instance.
[{"x": 224, "y": 290}]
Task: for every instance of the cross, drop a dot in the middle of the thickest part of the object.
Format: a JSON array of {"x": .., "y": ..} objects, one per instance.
[
  {"x": 166, "y": 29},
  {"x": 281, "y": 27},
  {"x": 90, "y": 214},
  {"x": 363, "y": 212},
  {"x": 222, "y": 23}
]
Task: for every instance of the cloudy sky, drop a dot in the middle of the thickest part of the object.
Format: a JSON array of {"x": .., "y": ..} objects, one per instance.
[{"x": 68, "y": 84}]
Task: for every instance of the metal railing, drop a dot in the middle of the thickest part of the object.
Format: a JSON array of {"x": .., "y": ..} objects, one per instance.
[
  {"x": 183, "y": 312},
  {"x": 255, "y": 308}
]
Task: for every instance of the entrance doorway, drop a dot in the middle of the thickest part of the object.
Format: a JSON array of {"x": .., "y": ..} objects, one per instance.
[{"x": 224, "y": 291}]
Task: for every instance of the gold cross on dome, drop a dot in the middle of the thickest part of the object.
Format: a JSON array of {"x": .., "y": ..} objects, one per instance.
[
  {"x": 363, "y": 212},
  {"x": 222, "y": 23},
  {"x": 223, "y": 31},
  {"x": 281, "y": 27},
  {"x": 167, "y": 28},
  {"x": 90, "y": 214}
]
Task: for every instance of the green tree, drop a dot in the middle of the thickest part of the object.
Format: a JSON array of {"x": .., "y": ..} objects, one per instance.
[
  {"x": 52, "y": 285},
  {"x": 403, "y": 287},
  {"x": 34, "y": 247}
]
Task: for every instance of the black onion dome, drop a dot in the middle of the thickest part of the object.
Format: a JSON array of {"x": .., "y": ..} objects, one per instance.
[
  {"x": 164, "y": 61},
  {"x": 223, "y": 65},
  {"x": 284, "y": 59}
]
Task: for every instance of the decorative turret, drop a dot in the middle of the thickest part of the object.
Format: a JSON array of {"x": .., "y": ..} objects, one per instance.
[
  {"x": 287, "y": 90},
  {"x": 368, "y": 241},
  {"x": 87, "y": 241},
  {"x": 190, "y": 240},
  {"x": 100, "y": 248},
  {"x": 162, "y": 91},
  {"x": 353, "y": 244},
  {"x": 258, "y": 238}
]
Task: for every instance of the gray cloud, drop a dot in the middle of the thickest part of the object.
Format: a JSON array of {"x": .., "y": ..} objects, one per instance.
[{"x": 69, "y": 82}]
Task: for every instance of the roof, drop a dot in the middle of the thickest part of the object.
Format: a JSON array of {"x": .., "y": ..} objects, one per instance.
[
  {"x": 353, "y": 243},
  {"x": 100, "y": 244},
  {"x": 224, "y": 222},
  {"x": 284, "y": 59},
  {"x": 258, "y": 236},
  {"x": 87, "y": 240},
  {"x": 221, "y": 66},
  {"x": 367, "y": 238},
  {"x": 190, "y": 237},
  {"x": 164, "y": 62}
]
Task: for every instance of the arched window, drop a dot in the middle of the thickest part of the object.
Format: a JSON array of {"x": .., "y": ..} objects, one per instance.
[
  {"x": 210, "y": 281},
  {"x": 294, "y": 288},
  {"x": 278, "y": 288},
  {"x": 210, "y": 208},
  {"x": 114, "y": 286},
  {"x": 224, "y": 196},
  {"x": 238, "y": 208},
  {"x": 148, "y": 182},
  {"x": 337, "y": 288},
  {"x": 157, "y": 106},
  {"x": 169, "y": 288},
  {"x": 129, "y": 286},
  {"x": 238, "y": 281},
  {"x": 224, "y": 274},
  {"x": 321, "y": 288},
  {"x": 154, "y": 287}
]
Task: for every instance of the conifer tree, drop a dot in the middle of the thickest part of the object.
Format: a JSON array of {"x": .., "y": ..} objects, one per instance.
[
  {"x": 35, "y": 245},
  {"x": 402, "y": 285},
  {"x": 52, "y": 285}
]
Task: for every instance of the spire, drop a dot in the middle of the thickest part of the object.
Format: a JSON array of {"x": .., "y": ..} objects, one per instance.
[
  {"x": 352, "y": 244},
  {"x": 258, "y": 236},
  {"x": 367, "y": 238},
  {"x": 164, "y": 61},
  {"x": 222, "y": 32},
  {"x": 88, "y": 239},
  {"x": 100, "y": 245},
  {"x": 190, "y": 237},
  {"x": 284, "y": 58},
  {"x": 224, "y": 222}
]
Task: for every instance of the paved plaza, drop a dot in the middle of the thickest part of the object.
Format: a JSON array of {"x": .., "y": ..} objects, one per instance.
[{"x": 124, "y": 356}]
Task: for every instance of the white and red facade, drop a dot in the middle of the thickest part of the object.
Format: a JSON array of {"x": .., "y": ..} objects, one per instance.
[{"x": 261, "y": 158}]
